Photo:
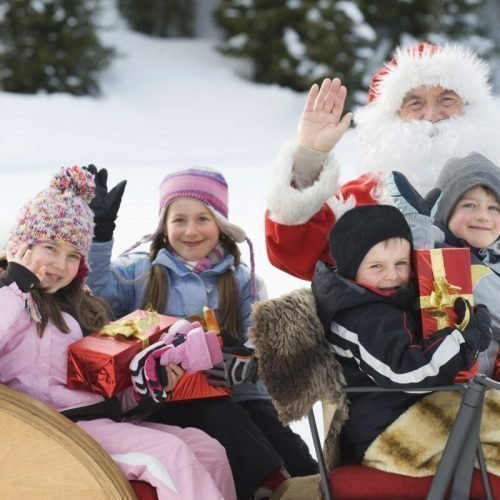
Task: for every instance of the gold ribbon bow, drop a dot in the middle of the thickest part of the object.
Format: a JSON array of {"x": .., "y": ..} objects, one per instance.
[
  {"x": 444, "y": 293},
  {"x": 132, "y": 328}
]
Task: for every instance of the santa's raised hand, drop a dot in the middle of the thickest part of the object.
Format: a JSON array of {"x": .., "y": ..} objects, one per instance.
[{"x": 322, "y": 125}]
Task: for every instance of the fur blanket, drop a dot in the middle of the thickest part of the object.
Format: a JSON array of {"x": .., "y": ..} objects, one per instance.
[
  {"x": 414, "y": 443},
  {"x": 298, "y": 369},
  {"x": 296, "y": 363}
]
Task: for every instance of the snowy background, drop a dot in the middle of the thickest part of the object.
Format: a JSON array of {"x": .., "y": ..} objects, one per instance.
[{"x": 166, "y": 105}]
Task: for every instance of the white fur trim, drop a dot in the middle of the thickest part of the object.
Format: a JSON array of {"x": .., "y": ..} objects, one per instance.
[
  {"x": 290, "y": 206},
  {"x": 340, "y": 206},
  {"x": 452, "y": 67},
  {"x": 379, "y": 194}
]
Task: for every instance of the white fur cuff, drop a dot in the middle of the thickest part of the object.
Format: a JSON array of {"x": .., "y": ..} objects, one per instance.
[{"x": 291, "y": 206}]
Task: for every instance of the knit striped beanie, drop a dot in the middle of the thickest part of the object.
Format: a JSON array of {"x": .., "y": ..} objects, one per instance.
[
  {"x": 207, "y": 186},
  {"x": 59, "y": 213}
]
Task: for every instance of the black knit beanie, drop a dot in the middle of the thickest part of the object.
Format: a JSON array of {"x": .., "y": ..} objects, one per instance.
[{"x": 360, "y": 229}]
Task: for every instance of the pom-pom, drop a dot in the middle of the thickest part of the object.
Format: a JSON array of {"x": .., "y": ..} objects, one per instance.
[{"x": 75, "y": 179}]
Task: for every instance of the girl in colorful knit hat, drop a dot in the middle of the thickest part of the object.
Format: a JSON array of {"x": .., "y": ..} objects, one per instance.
[
  {"x": 45, "y": 307},
  {"x": 194, "y": 261}
]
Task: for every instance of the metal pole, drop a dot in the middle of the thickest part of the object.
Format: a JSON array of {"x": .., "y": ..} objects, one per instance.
[{"x": 323, "y": 472}]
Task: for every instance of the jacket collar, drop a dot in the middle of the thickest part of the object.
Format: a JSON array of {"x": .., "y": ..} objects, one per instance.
[
  {"x": 489, "y": 256},
  {"x": 168, "y": 260}
]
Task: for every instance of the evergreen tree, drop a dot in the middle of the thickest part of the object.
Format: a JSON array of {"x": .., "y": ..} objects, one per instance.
[
  {"x": 161, "y": 18},
  {"x": 401, "y": 22},
  {"x": 297, "y": 42},
  {"x": 50, "y": 45}
]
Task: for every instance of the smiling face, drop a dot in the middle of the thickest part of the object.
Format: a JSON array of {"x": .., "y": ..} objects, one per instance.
[
  {"x": 61, "y": 261},
  {"x": 432, "y": 104},
  {"x": 386, "y": 266},
  {"x": 476, "y": 218},
  {"x": 191, "y": 229}
]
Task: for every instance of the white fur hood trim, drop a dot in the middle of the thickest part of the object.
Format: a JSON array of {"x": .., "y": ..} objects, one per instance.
[{"x": 290, "y": 206}]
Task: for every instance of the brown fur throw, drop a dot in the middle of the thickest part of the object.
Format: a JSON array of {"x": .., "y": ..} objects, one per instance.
[
  {"x": 414, "y": 443},
  {"x": 296, "y": 363}
]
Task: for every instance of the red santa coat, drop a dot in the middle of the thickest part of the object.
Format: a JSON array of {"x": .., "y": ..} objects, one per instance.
[{"x": 298, "y": 221}]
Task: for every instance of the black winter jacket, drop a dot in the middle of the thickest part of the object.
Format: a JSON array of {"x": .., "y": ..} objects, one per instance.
[{"x": 374, "y": 338}]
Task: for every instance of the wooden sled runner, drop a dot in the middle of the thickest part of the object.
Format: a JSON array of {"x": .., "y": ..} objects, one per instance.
[{"x": 45, "y": 455}]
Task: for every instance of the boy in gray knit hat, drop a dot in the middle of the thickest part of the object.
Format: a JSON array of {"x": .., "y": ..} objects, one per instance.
[
  {"x": 459, "y": 177},
  {"x": 468, "y": 214}
]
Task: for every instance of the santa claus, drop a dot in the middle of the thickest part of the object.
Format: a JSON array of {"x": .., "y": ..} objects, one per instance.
[{"x": 428, "y": 104}]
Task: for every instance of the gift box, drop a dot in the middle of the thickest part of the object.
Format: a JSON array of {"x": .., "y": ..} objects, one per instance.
[
  {"x": 443, "y": 275},
  {"x": 195, "y": 385},
  {"x": 100, "y": 361}
]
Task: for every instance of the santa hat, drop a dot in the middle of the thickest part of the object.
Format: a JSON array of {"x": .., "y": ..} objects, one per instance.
[
  {"x": 367, "y": 189},
  {"x": 450, "y": 66}
]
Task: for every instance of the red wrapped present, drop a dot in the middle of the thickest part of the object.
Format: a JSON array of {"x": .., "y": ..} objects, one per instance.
[
  {"x": 195, "y": 385},
  {"x": 443, "y": 275},
  {"x": 496, "y": 371},
  {"x": 100, "y": 361}
]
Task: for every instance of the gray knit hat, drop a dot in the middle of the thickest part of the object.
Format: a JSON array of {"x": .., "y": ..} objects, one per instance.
[{"x": 461, "y": 174}]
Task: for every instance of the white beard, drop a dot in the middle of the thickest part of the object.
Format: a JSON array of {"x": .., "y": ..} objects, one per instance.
[{"x": 420, "y": 149}]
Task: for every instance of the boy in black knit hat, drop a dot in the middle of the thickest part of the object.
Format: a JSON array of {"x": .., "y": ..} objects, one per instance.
[{"x": 366, "y": 307}]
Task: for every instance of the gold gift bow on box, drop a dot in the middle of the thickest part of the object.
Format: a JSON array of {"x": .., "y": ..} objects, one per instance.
[
  {"x": 443, "y": 295},
  {"x": 133, "y": 328}
]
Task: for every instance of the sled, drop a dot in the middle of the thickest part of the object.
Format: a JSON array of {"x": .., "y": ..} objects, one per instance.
[
  {"x": 455, "y": 478},
  {"x": 289, "y": 340},
  {"x": 46, "y": 455}
]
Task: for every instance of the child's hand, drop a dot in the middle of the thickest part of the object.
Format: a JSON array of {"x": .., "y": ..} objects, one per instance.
[
  {"x": 238, "y": 365},
  {"x": 24, "y": 257},
  {"x": 174, "y": 374}
]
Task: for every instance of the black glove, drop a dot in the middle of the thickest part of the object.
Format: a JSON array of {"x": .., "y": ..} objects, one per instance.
[
  {"x": 239, "y": 365},
  {"x": 407, "y": 198},
  {"x": 477, "y": 330},
  {"x": 432, "y": 199},
  {"x": 105, "y": 205}
]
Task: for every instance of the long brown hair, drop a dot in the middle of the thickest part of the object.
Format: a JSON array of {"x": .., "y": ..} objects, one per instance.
[
  {"x": 89, "y": 311},
  {"x": 229, "y": 308}
]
